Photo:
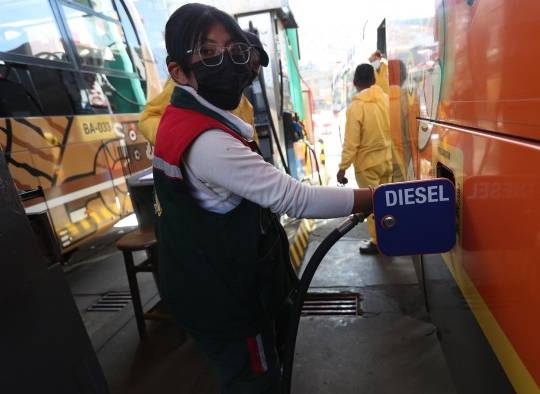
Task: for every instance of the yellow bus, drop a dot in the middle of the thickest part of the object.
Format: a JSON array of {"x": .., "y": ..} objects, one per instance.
[{"x": 74, "y": 75}]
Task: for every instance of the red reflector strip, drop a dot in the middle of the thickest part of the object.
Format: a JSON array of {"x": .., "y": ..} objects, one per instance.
[{"x": 257, "y": 360}]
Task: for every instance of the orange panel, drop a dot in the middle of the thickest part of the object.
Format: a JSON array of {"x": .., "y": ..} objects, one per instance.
[
  {"x": 501, "y": 232},
  {"x": 471, "y": 68},
  {"x": 491, "y": 56}
]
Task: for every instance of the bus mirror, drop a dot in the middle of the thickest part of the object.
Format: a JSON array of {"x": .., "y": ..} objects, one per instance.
[{"x": 416, "y": 217}]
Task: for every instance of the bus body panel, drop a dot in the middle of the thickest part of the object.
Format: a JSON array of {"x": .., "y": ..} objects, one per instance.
[
  {"x": 80, "y": 162},
  {"x": 496, "y": 259},
  {"x": 468, "y": 102},
  {"x": 69, "y": 118},
  {"x": 489, "y": 56}
]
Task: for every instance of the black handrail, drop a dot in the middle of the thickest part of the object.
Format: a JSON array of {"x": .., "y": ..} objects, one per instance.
[{"x": 26, "y": 195}]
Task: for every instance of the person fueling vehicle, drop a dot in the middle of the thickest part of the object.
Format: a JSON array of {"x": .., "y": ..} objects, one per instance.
[{"x": 217, "y": 205}]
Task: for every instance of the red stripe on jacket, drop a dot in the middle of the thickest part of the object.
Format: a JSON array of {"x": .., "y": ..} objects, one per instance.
[
  {"x": 179, "y": 128},
  {"x": 254, "y": 356}
]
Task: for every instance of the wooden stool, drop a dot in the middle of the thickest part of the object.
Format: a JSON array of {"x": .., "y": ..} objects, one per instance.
[{"x": 141, "y": 239}]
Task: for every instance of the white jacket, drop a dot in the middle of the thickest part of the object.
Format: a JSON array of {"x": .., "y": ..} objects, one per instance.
[{"x": 221, "y": 171}]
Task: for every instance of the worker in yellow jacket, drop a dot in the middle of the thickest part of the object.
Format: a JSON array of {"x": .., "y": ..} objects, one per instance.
[
  {"x": 149, "y": 120},
  {"x": 367, "y": 145},
  {"x": 151, "y": 116},
  {"x": 381, "y": 70}
]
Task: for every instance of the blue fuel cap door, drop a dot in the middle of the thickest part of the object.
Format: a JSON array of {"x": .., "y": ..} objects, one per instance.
[{"x": 415, "y": 217}]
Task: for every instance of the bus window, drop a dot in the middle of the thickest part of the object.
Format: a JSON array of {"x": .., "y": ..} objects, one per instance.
[
  {"x": 32, "y": 90},
  {"x": 94, "y": 99},
  {"x": 32, "y": 33},
  {"x": 133, "y": 40},
  {"x": 104, "y": 7},
  {"x": 126, "y": 95},
  {"x": 56, "y": 90},
  {"x": 107, "y": 93},
  {"x": 17, "y": 99},
  {"x": 99, "y": 42}
]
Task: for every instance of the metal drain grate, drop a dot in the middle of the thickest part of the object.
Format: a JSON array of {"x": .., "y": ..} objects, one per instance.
[
  {"x": 112, "y": 301},
  {"x": 331, "y": 304}
]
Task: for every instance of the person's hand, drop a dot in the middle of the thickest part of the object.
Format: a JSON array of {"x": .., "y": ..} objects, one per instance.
[
  {"x": 341, "y": 177},
  {"x": 363, "y": 201}
]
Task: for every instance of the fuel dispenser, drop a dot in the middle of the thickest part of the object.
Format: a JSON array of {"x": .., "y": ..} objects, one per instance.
[{"x": 293, "y": 134}]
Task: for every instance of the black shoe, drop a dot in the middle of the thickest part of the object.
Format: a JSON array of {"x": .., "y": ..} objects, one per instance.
[{"x": 368, "y": 247}]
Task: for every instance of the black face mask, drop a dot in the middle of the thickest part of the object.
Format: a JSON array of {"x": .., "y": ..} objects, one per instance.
[{"x": 222, "y": 85}]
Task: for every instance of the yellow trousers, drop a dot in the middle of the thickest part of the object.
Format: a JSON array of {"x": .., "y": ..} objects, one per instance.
[{"x": 374, "y": 176}]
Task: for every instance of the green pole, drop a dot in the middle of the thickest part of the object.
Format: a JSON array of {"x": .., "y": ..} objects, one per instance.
[{"x": 294, "y": 73}]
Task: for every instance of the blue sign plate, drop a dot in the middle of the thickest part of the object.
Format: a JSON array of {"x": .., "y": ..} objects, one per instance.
[{"x": 415, "y": 217}]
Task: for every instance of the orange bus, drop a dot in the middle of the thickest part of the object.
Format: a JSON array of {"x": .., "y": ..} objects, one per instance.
[
  {"x": 74, "y": 74},
  {"x": 468, "y": 110}
]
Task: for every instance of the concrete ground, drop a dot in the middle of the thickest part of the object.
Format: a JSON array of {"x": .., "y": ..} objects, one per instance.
[
  {"x": 167, "y": 362},
  {"x": 390, "y": 347}
]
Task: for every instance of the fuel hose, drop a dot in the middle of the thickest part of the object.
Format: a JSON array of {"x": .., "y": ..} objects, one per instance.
[{"x": 296, "y": 298}]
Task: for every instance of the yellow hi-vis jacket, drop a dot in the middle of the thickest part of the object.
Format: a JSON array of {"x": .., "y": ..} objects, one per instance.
[
  {"x": 381, "y": 77},
  {"x": 367, "y": 131},
  {"x": 150, "y": 117}
]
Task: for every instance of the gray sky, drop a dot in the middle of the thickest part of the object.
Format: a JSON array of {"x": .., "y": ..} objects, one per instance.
[
  {"x": 326, "y": 33},
  {"x": 327, "y": 29}
]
